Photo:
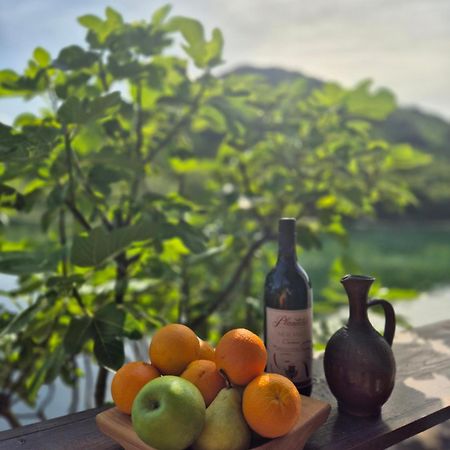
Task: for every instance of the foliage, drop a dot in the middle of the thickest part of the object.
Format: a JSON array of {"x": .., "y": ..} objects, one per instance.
[
  {"x": 430, "y": 134},
  {"x": 424, "y": 131},
  {"x": 147, "y": 193}
]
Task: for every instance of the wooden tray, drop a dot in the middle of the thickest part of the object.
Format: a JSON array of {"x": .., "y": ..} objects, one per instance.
[{"x": 314, "y": 413}]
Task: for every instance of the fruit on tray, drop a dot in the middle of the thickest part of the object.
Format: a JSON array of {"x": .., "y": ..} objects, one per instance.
[
  {"x": 207, "y": 398},
  {"x": 204, "y": 374},
  {"x": 206, "y": 350},
  {"x": 173, "y": 347},
  {"x": 168, "y": 413},
  {"x": 241, "y": 355},
  {"x": 271, "y": 405},
  {"x": 225, "y": 427},
  {"x": 128, "y": 381}
]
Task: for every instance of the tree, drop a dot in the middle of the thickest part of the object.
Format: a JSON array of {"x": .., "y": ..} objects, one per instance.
[{"x": 146, "y": 193}]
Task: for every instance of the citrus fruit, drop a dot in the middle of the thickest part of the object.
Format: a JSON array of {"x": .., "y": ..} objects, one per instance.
[
  {"x": 241, "y": 355},
  {"x": 172, "y": 348},
  {"x": 206, "y": 350},
  {"x": 128, "y": 381},
  {"x": 271, "y": 405},
  {"x": 204, "y": 374}
]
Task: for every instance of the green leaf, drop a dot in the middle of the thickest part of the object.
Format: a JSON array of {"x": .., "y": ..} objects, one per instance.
[
  {"x": 193, "y": 32},
  {"x": 327, "y": 201},
  {"x": 377, "y": 106},
  {"x": 113, "y": 16},
  {"x": 99, "y": 244},
  {"x": 91, "y": 22},
  {"x": 404, "y": 157},
  {"x": 160, "y": 15},
  {"x": 21, "y": 263},
  {"x": 210, "y": 253},
  {"x": 41, "y": 56},
  {"x": 47, "y": 372},
  {"x": 133, "y": 328},
  {"x": 65, "y": 284},
  {"x": 79, "y": 331},
  {"x": 108, "y": 331},
  {"x": 71, "y": 111},
  {"x": 214, "y": 49},
  {"x": 104, "y": 105},
  {"x": 192, "y": 237},
  {"x": 23, "y": 319},
  {"x": 100, "y": 177},
  {"x": 10, "y": 198},
  {"x": 13, "y": 146},
  {"x": 74, "y": 58}
]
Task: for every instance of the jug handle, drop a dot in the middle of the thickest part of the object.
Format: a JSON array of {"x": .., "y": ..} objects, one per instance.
[{"x": 389, "y": 324}]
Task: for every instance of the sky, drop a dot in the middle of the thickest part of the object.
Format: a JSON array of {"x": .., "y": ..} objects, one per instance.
[{"x": 401, "y": 44}]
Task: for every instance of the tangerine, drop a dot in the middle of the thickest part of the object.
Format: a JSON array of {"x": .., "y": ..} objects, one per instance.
[
  {"x": 172, "y": 348},
  {"x": 128, "y": 381},
  {"x": 204, "y": 374},
  {"x": 241, "y": 355},
  {"x": 206, "y": 350},
  {"x": 271, "y": 405}
]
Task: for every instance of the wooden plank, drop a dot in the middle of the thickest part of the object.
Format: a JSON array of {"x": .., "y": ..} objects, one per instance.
[
  {"x": 314, "y": 413},
  {"x": 420, "y": 400},
  {"x": 72, "y": 432}
]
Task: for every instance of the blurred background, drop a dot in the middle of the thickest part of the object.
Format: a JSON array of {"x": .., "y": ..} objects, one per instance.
[{"x": 175, "y": 149}]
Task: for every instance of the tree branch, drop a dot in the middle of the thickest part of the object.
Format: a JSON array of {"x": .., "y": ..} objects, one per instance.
[
  {"x": 100, "y": 386},
  {"x": 63, "y": 240},
  {"x": 76, "y": 295},
  {"x": 183, "y": 306},
  {"x": 70, "y": 201},
  {"x": 78, "y": 215},
  {"x": 178, "y": 125},
  {"x": 102, "y": 74},
  {"x": 139, "y": 122},
  {"x": 137, "y": 152},
  {"x": 249, "y": 191},
  {"x": 5, "y": 410},
  {"x": 234, "y": 280},
  {"x": 121, "y": 283},
  {"x": 68, "y": 150},
  {"x": 89, "y": 191}
]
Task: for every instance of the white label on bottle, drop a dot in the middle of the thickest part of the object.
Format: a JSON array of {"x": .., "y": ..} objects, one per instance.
[{"x": 289, "y": 344}]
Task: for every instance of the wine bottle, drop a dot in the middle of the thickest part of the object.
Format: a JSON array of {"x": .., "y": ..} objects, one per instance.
[{"x": 288, "y": 313}]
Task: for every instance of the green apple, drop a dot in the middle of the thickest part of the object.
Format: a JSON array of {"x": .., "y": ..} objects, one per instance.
[{"x": 168, "y": 413}]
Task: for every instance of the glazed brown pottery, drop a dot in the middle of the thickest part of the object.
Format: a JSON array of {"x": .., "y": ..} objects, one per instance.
[{"x": 359, "y": 363}]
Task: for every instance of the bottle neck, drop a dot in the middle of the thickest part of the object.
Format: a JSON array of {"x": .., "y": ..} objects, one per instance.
[{"x": 286, "y": 246}]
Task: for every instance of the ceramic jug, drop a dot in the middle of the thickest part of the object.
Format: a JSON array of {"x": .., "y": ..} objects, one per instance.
[{"x": 359, "y": 363}]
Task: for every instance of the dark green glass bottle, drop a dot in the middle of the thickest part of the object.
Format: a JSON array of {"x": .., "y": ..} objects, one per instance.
[{"x": 288, "y": 313}]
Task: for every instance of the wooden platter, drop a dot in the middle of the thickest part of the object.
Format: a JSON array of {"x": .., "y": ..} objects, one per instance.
[{"x": 118, "y": 427}]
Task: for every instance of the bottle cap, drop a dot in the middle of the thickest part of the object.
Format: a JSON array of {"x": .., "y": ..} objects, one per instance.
[{"x": 287, "y": 225}]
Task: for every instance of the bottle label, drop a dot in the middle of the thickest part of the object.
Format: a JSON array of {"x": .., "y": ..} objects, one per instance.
[{"x": 289, "y": 343}]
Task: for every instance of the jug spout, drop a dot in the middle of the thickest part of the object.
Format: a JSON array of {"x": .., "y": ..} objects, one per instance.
[{"x": 357, "y": 288}]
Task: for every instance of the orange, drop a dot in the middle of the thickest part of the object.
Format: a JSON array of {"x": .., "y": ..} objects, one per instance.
[
  {"x": 241, "y": 355},
  {"x": 271, "y": 405},
  {"x": 172, "y": 348},
  {"x": 206, "y": 350},
  {"x": 206, "y": 377},
  {"x": 128, "y": 381}
]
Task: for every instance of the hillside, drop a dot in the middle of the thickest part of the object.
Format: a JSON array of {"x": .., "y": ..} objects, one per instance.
[{"x": 423, "y": 130}]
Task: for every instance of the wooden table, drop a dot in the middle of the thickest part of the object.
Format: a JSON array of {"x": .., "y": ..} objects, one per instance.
[{"x": 420, "y": 400}]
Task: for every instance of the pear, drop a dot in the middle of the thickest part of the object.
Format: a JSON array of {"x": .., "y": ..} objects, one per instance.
[{"x": 225, "y": 427}]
